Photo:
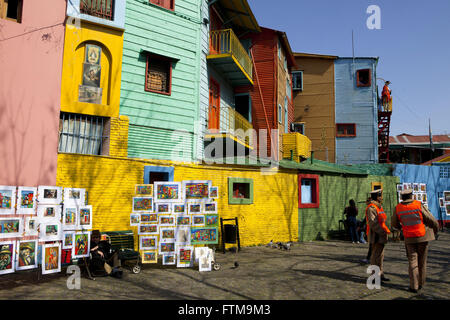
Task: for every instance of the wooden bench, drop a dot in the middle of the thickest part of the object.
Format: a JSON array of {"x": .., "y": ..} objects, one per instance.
[{"x": 123, "y": 242}]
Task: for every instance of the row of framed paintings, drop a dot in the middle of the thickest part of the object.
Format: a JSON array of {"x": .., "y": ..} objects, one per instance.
[
  {"x": 24, "y": 200},
  {"x": 179, "y": 235},
  {"x": 177, "y": 192},
  {"x": 145, "y": 220},
  {"x": 415, "y": 186},
  {"x": 444, "y": 202},
  {"x": 145, "y": 204},
  {"x": 183, "y": 257}
]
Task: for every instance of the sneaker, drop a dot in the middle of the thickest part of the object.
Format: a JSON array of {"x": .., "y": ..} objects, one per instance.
[
  {"x": 357, "y": 242},
  {"x": 365, "y": 261},
  {"x": 353, "y": 242},
  {"x": 412, "y": 290}
]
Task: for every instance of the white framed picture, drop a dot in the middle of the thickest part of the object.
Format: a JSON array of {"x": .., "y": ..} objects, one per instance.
[
  {"x": 198, "y": 220},
  {"x": 166, "y": 234},
  {"x": 148, "y": 243},
  {"x": 146, "y": 229},
  {"x": 85, "y": 217},
  {"x": 185, "y": 256},
  {"x": 51, "y": 258},
  {"x": 68, "y": 240},
  {"x": 179, "y": 208},
  {"x": 26, "y": 200},
  {"x": 183, "y": 235},
  {"x": 11, "y": 227},
  {"x": 31, "y": 225},
  {"x": 50, "y": 195},
  {"x": 183, "y": 220},
  {"x": 50, "y": 230},
  {"x": 166, "y": 247},
  {"x": 26, "y": 254},
  {"x": 142, "y": 204},
  {"x": 196, "y": 190},
  {"x": 203, "y": 256},
  {"x": 135, "y": 219},
  {"x": 81, "y": 244},
  {"x": 167, "y": 220},
  {"x": 167, "y": 191},
  {"x": 210, "y": 207},
  {"x": 74, "y": 196},
  {"x": 70, "y": 217},
  {"x": 164, "y": 208},
  {"x": 48, "y": 211},
  {"x": 7, "y": 199},
  {"x": 169, "y": 259},
  {"x": 194, "y": 207},
  {"x": 214, "y": 192},
  {"x": 8, "y": 257}
]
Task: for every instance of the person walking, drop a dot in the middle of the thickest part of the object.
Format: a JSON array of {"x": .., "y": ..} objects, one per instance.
[
  {"x": 369, "y": 253},
  {"x": 419, "y": 227},
  {"x": 351, "y": 211},
  {"x": 378, "y": 231}
]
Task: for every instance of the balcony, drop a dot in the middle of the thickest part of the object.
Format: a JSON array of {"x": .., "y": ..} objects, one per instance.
[
  {"x": 98, "y": 8},
  {"x": 296, "y": 146},
  {"x": 228, "y": 55}
]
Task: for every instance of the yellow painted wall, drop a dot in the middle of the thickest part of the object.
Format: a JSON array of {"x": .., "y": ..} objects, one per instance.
[{"x": 111, "y": 42}]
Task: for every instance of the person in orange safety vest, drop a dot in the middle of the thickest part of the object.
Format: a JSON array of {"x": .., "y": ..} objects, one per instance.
[{"x": 386, "y": 96}]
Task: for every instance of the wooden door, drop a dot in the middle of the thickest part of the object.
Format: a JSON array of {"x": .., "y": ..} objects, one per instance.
[{"x": 214, "y": 106}]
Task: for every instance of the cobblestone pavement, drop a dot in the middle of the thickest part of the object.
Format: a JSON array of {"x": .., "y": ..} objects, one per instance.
[{"x": 313, "y": 270}]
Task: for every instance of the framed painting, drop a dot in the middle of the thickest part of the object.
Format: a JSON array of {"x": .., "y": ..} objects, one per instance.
[
  {"x": 92, "y": 74},
  {"x": 166, "y": 234},
  {"x": 7, "y": 257},
  {"x": 90, "y": 94},
  {"x": 196, "y": 189},
  {"x": 85, "y": 217},
  {"x": 31, "y": 226},
  {"x": 148, "y": 243},
  {"x": 185, "y": 256},
  {"x": 74, "y": 196},
  {"x": 423, "y": 187},
  {"x": 415, "y": 187},
  {"x": 166, "y": 247},
  {"x": 183, "y": 220},
  {"x": 214, "y": 192},
  {"x": 210, "y": 207},
  {"x": 168, "y": 192},
  {"x": 447, "y": 196},
  {"x": 51, "y": 258},
  {"x": 399, "y": 187},
  {"x": 11, "y": 227},
  {"x": 135, "y": 219},
  {"x": 144, "y": 190},
  {"x": 198, "y": 220},
  {"x": 70, "y": 218},
  {"x": 26, "y": 200},
  {"x": 142, "y": 204},
  {"x": 81, "y": 245},
  {"x": 447, "y": 208},
  {"x": 163, "y": 208},
  {"x": 68, "y": 240},
  {"x": 179, "y": 208},
  {"x": 419, "y": 196},
  {"x": 27, "y": 255},
  {"x": 405, "y": 186},
  {"x": 424, "y": 197},
  {"x": 211, "y": 220},
  {"x": 149, "y": 217},
  {"x": 149, "y": 256},
  {"x": 204, "y": 235},
  {"x": 49, "y": 211},
  {"x": 49, "y": 195},
  {"x": 194, "y": 207},
  {"x": 7, "y": 199},
  {"x": 441, "y": 203},
  {"x": 169, "y": 259},
  {"x": 167, "y": 221},
  {"x": 50, "y": 231},
  {"x": 146, "y": 229},
  {"x": 182, "y": 235},
  {"x": 203, "y": 255},
  {"x": 93, "y": 54}
]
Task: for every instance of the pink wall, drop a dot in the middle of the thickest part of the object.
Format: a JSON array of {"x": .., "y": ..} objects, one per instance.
[{"x": 30, "y": 89}]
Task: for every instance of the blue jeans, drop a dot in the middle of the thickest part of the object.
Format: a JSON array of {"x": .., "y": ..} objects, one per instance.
[{"x": 351, "y": 222}]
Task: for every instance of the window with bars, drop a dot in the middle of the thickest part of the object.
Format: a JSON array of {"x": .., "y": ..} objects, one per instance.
[
  {"x": 167, "y": 4},
  {"x": 98, "y": 8},
  {"x": 345, "y": 130},
  {"x": 444, "y": 172},
  {"x": 158, "y": 76},
  {"x": 297, "y": 80},
  {"x": 83, "y": 134}
]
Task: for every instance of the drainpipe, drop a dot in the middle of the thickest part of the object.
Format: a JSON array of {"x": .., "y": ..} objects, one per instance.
[
  {"x": 292, "y": 155},
  {"x": 312, "y": 157}
]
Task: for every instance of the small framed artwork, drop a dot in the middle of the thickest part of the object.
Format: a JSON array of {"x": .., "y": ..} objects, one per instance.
[
  {"x": 91, "y": 75},
  {"x": 210, "y": 207},
  {"x": 447, "y": 196},
  {"x": 85, "y": 217},
  {"x": 149, "y": 256},
  {"x": 68, "y": 240},
  {"x": 31, "y": 226},
  {"x": 167, "y": 221},
  {"x": 211, "y": 220},
  {"x": 49, "y": 211},
  {"x": 144, "y": 190},
  {"x": 166, "y": 234},
  {"x": 203, "y": 256},
  {"x": 441, "y": 203},
  {"x": 447, "y": 208},
  {"x": 163, "y": 208},
  {"x": 405, "y": 186},
  {"x": 204, "y": 235},
  {"x": 51, "y": 258},
  {"x": 74, "y": 196},
  {"x": 148, "y": 243},
  {"x": 27, "y": 255},
  {"x": 214, "y": 192},
  {"x": 50, "y": 195},
  {"x": 169, "y": 259},
  {"x": 419, "y": 196},
  {"x": 135, "y": 219},
  {"x": 196, "y": 189},
  {"x": 182, "y": 235},
  {"x": 149, "y": 217},
  {"x": 11, "y": 227},
  {"x": 424, "y": 197},
  {"x": 168, "y": 192},
  {"x": 7, "y": 199},
  {"x": 410, "y": 185},
  {"x": 166, "y": 247},
  {"x": 81, "y": 245},
  {"x": 423, "y": 187},
  {"x": 142, "y": 204},
  {"x": 183, "y": 220},
  {"x": 26, "y": 200},
  {"x": 198, "y": 220},
  {"x": 89, "y": 94},
  {"x": 93, "y": 54},
  {"x": 146, "y": 229},
  {"x": 194, "y": 208},
  {"x": 179, "y": 208},
  {"x": 50, "y": 231},
  {"x": 185, "y": 256},
  {"x": 415, "y": 187},
  {"x": 7, "y": 257},
  {"x": 399, "y": 187},
  {"x": 70, "y": 218}
]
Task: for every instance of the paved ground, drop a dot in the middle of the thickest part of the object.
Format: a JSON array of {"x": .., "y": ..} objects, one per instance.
[{"x": 313, "y": 270}]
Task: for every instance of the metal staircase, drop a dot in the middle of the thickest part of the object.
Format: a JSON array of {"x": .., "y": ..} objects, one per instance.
[{"x": 384, "y": 122}]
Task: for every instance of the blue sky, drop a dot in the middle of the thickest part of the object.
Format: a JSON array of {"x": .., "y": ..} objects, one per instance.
[{"x": 413, "y": 46}]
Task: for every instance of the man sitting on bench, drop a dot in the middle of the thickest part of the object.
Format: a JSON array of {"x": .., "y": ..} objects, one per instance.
[{"x": 102, "y": 257}]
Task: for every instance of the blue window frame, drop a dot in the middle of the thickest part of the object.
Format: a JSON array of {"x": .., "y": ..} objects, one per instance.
[{"x": 155, "y": 173}]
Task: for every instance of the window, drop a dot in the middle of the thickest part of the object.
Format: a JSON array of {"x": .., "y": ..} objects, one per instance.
[
  {"x": 363, "y": 78},
  {"x": 168, "y": 4},
  {"x": 158, "y": 75},
  {"x": 298, "y": 127},
  {"x": 345, "y": 130},
  {"x": 286, "y": 120},
  {"x": 288, "y": 87},
  {"x": 297, "y": 80},
  {"x": 376, "y": 186},
  {"x": 280, "y": 114},
  {"x": 279, "y": 49},
  {"x": 102, "y": 9},
  {"x": 285, "y": 64},
  {"x": 444, "y": 172},
  {"x": 240, "y": 191},
  {"x": 83, "y": 134},
  {"x": 11, "y": 10},
  {"x": 155, "y": 173},
  {"x": 308, "y": 193}
]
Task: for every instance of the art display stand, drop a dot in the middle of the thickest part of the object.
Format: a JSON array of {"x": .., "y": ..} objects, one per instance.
[{"x": 230, "y": 233}]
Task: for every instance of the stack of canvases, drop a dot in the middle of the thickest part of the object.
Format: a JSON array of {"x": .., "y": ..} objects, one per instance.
[
  {"x": 444, "y": 203},
  {"x": 33, "y": 227},
  {"x": 419, "y": 191},
  {"x": 172, "y": 218}
]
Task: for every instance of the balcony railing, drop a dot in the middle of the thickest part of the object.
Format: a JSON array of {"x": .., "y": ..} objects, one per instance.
[
  {"x": 235, "y": 124},
  {"x": 296, "y": 146},
  {"x": 98, "y": 8},
  {"x": 226, "y": 42}
]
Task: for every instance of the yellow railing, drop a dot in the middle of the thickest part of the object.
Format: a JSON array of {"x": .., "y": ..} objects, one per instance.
[
  {"x": 238, "y": 126},
  {"x": 226, "y": 42},
  {"x": 298, "y": 144}
]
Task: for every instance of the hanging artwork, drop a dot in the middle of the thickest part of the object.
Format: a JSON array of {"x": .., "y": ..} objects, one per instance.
[
  {"x": 424, "y": 197},
  {"x": 168, "y": 192},
  {"x": 7, "y": 257},
  {"x": 149, "y": 217},
  {"x": 150, "y": 256},
  {"x": 204, "y": 257},
  {"x": 210, "y": 207},
  {"x": 179, "y": 208},
  {"x": 416, "y": 187},
  {"x": 31, "y": 226},
  {"x": 214, "y": 192},
  {"x": 74, "y": 196},
  {"x": 399, "y": 188},
  {"x": 142, "y": 204},
  {"x": 169, "y": 259},
  {"x": 167, "y": 221},
  {"x": 26, "y": 258},
  {"x": 50, "y": 231},
  {"x": 49, "y": 211},
  {"x": 447, "y": 209},
  {"x": 147, "y": 229},
  {"x": 49, "y": 195},
  {"x": 204, "y": 235},
  {"x": 93, "y": 54},
  {"x": 68, "y": 240},
  {"x": 85, "y": 217},
  {"x": 135, "y": 219},
  {"x": 11, "y": 227},
  {"x": 441, "y": 202},
  {"x": 185, "y": 255},
  {"x": 423, "y": 187},
  {"x": 182, "y": 235},
  {"x": 51, "y": 258},
  {"x": 198, "y": 220},
  {"x": 183, "y": 220},
  {"x": 26, "y": 200},
  {"x": 447, "y": 196},
  {"x": 163, "y": 207},
  {"x": 148, "y": 243},
  {"x": 81, "y": 245},
  {"x": 196, "y": 189},
  {"x": 91, "y": 75},
  {"x": 211, "y": 220},
  {"x": 166, "y": 234},
  {"x": 194, "y": 208},
  {"x": 166, "y": 247},
  {"x": 88, "y": 94},
  {"x": 144, "y": 190},
  {"x": 7, "y": 199},
  {"x": 70, "y": 218}
]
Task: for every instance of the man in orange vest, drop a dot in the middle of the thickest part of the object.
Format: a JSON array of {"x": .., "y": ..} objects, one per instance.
[
  {"x": 386, "y": 96},
  {"x": 416, "y": 221},
  {"x": 378, "y": 231}
]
